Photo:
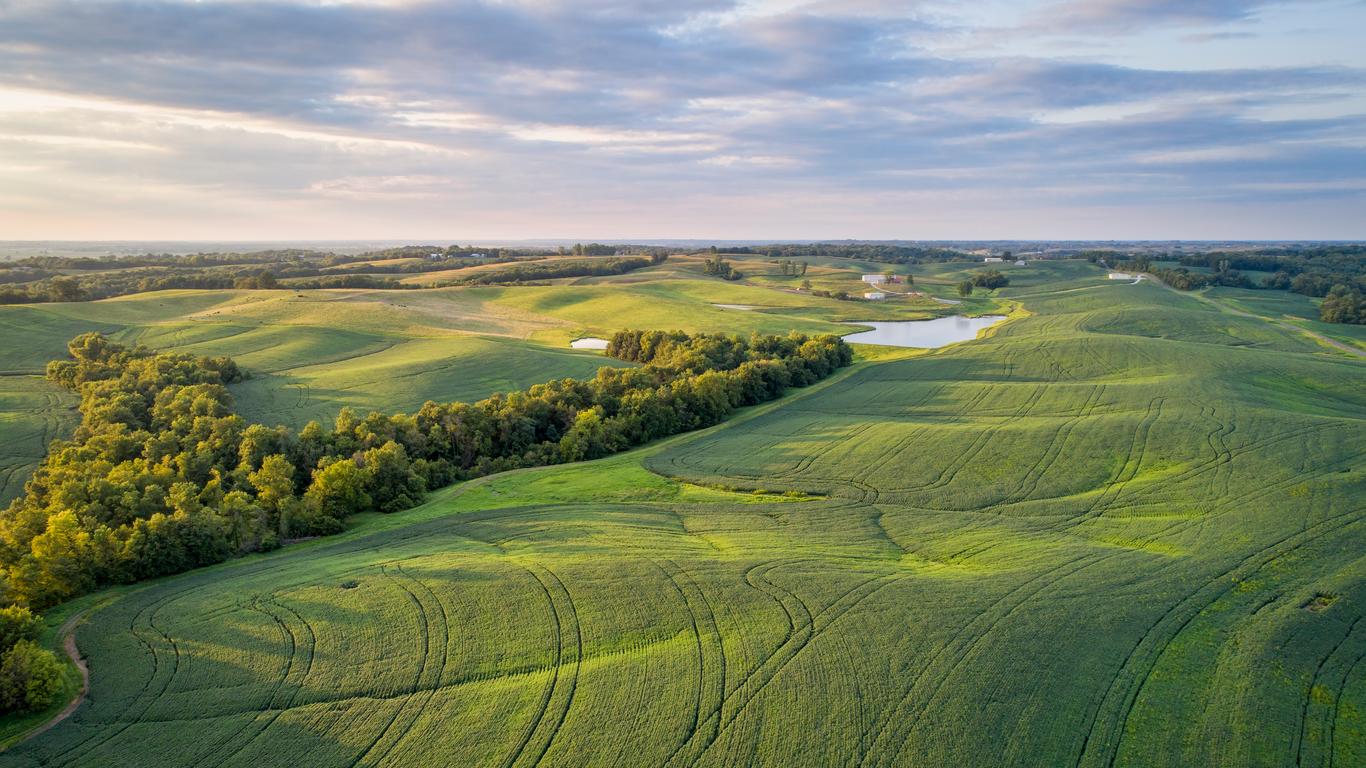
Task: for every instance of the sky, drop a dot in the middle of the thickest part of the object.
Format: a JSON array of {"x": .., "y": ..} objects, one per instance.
[{"x": 620, "y": 119}]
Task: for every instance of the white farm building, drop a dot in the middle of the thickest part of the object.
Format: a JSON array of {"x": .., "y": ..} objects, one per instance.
[
  {"x": 875, "y": 295},
  {"x": 1122, "y": 276},
  {"x": 993, "y": 260},
  {"x": 875, "y": 279}
]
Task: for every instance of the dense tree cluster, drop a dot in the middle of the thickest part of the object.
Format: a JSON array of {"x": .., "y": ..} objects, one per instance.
[
  {"x": 990, "y": 278},
  {"x": 30, "y": 676},
  {"x": 717, "y": 265},
  {"x": 162, "y": 476},
  {"x": 1343, "y": 305},
  {"x": 550, "y": 270},
  {"x": 593, "y": 249}
]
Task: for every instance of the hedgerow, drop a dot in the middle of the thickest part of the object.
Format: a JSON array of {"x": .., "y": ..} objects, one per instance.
[{"x": 163, "y": 476}]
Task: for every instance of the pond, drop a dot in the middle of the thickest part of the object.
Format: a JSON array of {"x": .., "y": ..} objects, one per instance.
[
  {"x": 588, "y": 342},
  {"x": 923, "y": 333}
]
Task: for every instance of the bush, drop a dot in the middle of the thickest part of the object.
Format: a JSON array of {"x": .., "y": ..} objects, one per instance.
[
  {"x": 16, "y": 623},
  {"x": 30, "y": 678}
]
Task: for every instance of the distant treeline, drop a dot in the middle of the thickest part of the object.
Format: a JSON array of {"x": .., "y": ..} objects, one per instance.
[
  {"x": 1310, "y": 271},
  {"x": 162, "y": 475},
  {"x": 104, "y": 285},
  {"x": 1335, "y": 273},
  {"x": 50, "y": 278},
  {"x": 540, "y": 271},
  {"x": 889, "y": 254}
]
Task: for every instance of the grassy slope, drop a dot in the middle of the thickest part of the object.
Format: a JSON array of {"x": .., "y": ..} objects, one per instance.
[
  {"x": 1087, "y": 540},
  {"x": 1291, "y": 307},
  {"x": 312, "y": 353}
]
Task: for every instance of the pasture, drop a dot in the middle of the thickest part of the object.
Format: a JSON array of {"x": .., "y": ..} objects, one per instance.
[{"x": 1126, "y": 529}]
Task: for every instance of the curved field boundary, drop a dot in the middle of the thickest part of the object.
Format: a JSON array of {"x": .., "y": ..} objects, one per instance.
[{"x": 67, "y": 632}]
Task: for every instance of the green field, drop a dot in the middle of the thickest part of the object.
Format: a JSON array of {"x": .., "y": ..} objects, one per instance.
[
  {"x": 1126, "y": 529},
  {"x": 312, "y": 353},
  {"x": 309, "y": 354}
]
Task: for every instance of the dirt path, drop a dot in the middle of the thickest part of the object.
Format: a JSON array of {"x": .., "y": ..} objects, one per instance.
[{"x": 68, "y": 634}]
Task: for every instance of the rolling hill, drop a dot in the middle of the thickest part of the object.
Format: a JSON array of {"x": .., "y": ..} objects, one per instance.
[{"x": 1124, "y": 529}]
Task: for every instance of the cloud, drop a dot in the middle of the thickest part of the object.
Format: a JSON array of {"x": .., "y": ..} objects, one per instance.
[
  {"x": 1132, "y": 15},
  {"x": 543, "y": 112}
]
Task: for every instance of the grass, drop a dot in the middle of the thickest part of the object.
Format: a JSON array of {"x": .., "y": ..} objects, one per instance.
[
  {"x": 1294, "y": 308},
  {"x": 32, "y": 414},
  {"x": 312, "y": 353},
  {"x": 1124, "y": 529}
]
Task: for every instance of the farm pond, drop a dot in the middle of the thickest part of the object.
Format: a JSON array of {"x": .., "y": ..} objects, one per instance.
[
  {"x": 589, "y": 342},
  {"x": 923, "y": 333}
]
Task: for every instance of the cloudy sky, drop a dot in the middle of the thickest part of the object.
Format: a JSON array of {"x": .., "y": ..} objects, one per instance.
[{"x": 468, "y": 120}]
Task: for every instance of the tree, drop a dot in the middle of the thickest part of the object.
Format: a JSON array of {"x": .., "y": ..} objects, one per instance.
[
  {"x": 248, "y": 524},
  {"x": 806, "y": 285},
  {"x": 592, "y": 436},
  {"x": 965, "y": 288},
  {"x": 30, "y": 678},
  {"x": 390, "y": 480},
  {"x": 991, "y": 278},
  {"x": 62, "y": 555},
  {"x": 338, "y": 490},
  {"x": 1343, "y": 305},
  {"x": 65, "y": 289},
  {"x": 16, "y": 623},
  {"x": 274, "y": 482}
]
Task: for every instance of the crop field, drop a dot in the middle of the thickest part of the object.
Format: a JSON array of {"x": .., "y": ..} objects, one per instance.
[
  {"x": 1125, "y": 529},
  {"x": 312, "y": 353},
  {"x": 1291, "y": 307},
  {"x": 309, "y": 354}
]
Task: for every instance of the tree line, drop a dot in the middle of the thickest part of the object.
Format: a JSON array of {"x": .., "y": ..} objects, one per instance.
[
  {"x": 161, "y": 475},
  {"x": 1343, "y": 291},
  {"x": 880, "y": 252},
  {"x": 525, "y": 273},
  {"x": 43, "y": 279}
]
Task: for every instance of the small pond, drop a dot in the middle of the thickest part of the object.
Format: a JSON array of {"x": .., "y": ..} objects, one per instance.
[
  {"x": 589, "y": 342},
  {"x": 923, "y": 333}
]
